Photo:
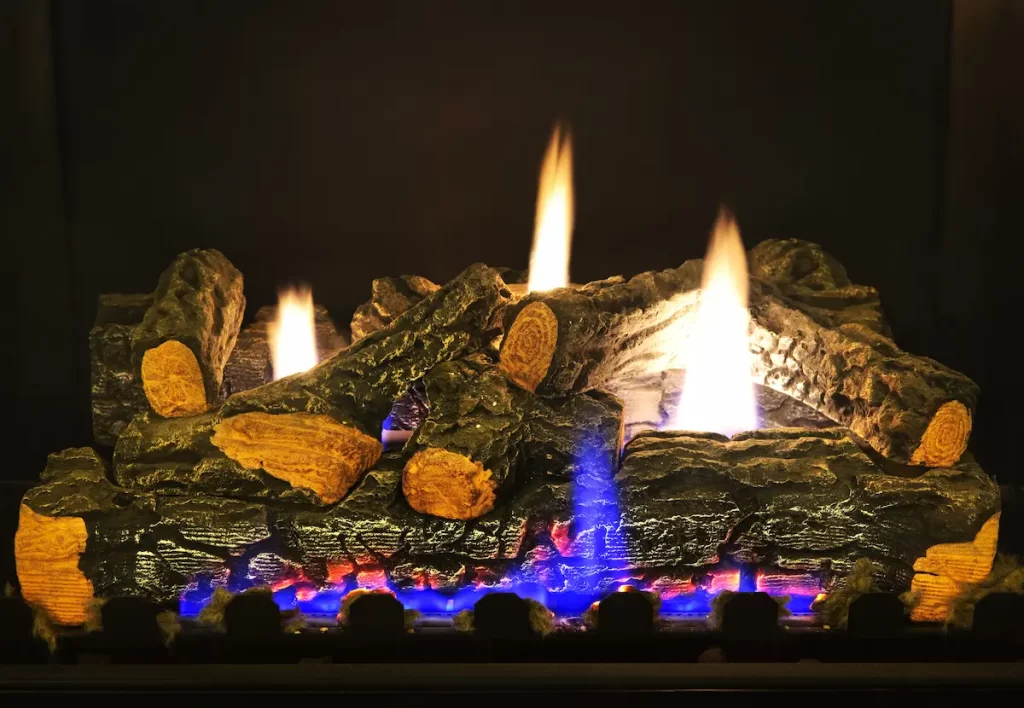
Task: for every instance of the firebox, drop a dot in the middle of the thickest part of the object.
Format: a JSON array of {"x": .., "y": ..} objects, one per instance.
[{"x": 568, "y": 304}]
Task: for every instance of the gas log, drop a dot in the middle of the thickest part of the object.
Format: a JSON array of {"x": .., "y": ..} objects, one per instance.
[
  {"x": 789, "y": 500},
  {"x": 814, "y": 337},
  {"x": 184, "y": 340},
  {"x": 320, "y": 430},
  {"x": 250, "y": 365},
  {"x": 483, "y": 433},
  {"x": 793, "y": 499}
]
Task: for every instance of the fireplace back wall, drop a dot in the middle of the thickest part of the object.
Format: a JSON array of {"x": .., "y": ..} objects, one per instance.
[{"x": 334, "y": 143}]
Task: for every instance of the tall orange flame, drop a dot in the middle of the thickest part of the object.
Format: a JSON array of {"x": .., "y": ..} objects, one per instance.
[
  {"x": 292, "y": 334},
  {"x": 718, "y": 394},
  {"x": 552, "y": 233}
]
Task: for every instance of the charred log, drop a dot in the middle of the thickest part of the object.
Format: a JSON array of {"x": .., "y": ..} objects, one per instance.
[
  {"x": 183, "y": 342},
  {"x": 483, "y": 434}
]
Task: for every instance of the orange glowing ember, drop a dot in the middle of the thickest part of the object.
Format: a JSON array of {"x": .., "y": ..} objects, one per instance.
[
  {"x": 718, "y": 395},
  {"x": 552, "y": 233},
  {"x": 292, "y": 333}
]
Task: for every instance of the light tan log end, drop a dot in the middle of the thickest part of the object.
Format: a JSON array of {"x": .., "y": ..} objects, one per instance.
[
  {"x": 447, "y": 484},
  {"x": 946, "y": 568},
  {"x": 46, "y": 552},
  {"x": 945, "y": 439},
  {"x": 530, "y": 345},
  {"x": 313, "y": 452},
  {"x": 173, "y": 381}
]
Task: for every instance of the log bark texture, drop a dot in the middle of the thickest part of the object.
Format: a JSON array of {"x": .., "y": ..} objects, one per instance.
[
  {"x": 484, "y": 434},
  {"x": 183, "y": 342},
  {"x": 391, "y": 297},
  {"x": 817, "y": 284},
  {"x": 116, "y": 391},
  {"x": 576, "y": 339},
  {"x": 814, "y": 337},
  {"x": 319, "y": 430},
  {"x": 793, "y": 499},
  {"x": 250, "y": 366},
  {"x": 799, "y": 503}
]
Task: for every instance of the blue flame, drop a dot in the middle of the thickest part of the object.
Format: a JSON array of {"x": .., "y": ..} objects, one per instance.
[{"x": 598, "y": 564}]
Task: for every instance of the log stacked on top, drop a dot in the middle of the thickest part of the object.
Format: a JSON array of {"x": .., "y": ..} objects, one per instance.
[
  {"x": 510, "y": 468},
  {"x": 817, "y": 339}
]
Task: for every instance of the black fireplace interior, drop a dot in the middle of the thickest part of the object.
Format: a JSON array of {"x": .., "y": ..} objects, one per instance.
[{"x": 332, "y": 143}]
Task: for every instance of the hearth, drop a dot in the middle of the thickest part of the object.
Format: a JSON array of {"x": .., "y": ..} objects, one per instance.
[{"x": 740, "y": 423}]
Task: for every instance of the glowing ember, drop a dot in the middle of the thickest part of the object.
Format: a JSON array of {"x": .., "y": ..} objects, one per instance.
[
  {"x": 719, "y": 580},
  {"x": 718, "y": 395},
  {"x": 292, "y": 334},
  {"x": 552, "y": 234}
]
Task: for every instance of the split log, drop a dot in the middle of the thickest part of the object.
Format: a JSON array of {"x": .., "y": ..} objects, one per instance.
[
  {"x": 791, "y": 499},
  {"x": 391, "y": 297},
  {"x": 116, "y": 392},
  {"x": 320, "y": 430},
  {"x": 250, "y": 366},
  {"x": 814, "y": 337},
  {"x": 184, "y": 340},
  {"x": 483, "y": 434}
]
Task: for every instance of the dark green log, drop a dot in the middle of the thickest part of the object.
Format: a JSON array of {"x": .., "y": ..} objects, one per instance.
[
  {"x": 793, "y": 499},
  {"x": 358, "y": 385},
  {"x": 198, "y": 302},
  {"x": 174, "y": 456},
  {"x": 116, "y": 391},
  {"x": 784, "y": 500},
  {"x": 476, "y": 413}
]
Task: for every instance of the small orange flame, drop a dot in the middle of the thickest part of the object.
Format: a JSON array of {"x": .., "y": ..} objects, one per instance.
[
  {"x": 552, "y": 232},
  {"x": 718, "y": 395},
  {"x": 292, "y": 333}
]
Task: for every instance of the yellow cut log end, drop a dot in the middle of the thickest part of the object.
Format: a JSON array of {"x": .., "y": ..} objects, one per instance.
[
  {"x": 447, "y": 484},
  {"x": 945, "y": 439},
  {"x": 947, "y": 567},
  {"x": 173, "y": 381},
  {"x": 313, "y": 452},
  {"x": 46, "y": 552},
  {"x": 530, "y": 345}
]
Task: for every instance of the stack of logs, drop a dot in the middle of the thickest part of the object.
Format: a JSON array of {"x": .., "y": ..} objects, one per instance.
[{"x": 221, "y": 476}]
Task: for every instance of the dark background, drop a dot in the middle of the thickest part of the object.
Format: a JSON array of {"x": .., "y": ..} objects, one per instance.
[{"x": 335, "y": 142}]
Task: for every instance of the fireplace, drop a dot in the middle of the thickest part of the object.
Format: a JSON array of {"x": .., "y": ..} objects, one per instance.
[{"x": 563, "y": 373}]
